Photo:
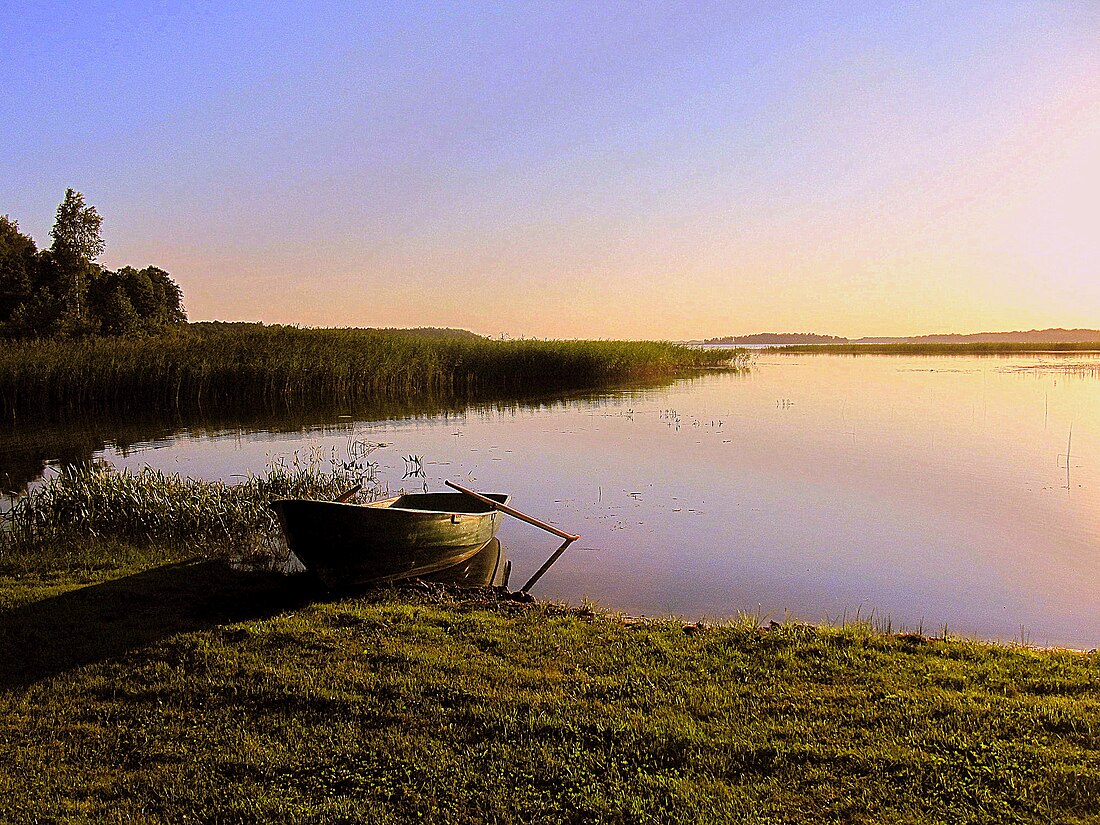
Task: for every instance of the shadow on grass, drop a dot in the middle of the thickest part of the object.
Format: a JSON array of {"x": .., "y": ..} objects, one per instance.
[{"x": 103, "y": 621}]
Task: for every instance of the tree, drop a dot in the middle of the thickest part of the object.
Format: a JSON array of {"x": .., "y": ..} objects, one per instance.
[
  {"x": 135, "y": 300},
  {"x": 168, "y": 297},
  {"x": 75, "y": 230},
  {"x": 111, "y": 305},
  {"x": 18, "y": 268},
  {"x": 69, "y": 266},
  {"x": 63, "y": 291}
]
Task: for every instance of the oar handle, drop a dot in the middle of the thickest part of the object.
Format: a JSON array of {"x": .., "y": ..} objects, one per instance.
[
  {"x": 347, "y": 494},
  {"x": 504, "y": 508}
]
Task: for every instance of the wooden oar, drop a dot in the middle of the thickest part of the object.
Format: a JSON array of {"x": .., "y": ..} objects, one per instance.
[
  {"x": 344, "y": 496},
  {"x": 504, "y": 508}
]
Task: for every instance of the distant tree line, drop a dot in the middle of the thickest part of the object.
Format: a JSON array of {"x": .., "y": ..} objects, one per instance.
[
  {"x": 62, "y": 291},
  {"x": 778, "y": 338}
]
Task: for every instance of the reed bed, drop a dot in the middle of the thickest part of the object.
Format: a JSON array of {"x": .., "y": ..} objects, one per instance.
[
  {"x": 151, "y": 507},
  {"x": 247, "y": 367},
  {"x": 982, "y": 348}
]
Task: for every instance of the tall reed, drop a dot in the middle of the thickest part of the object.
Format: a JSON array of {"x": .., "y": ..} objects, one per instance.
[
  {"x": 151, "y": 506},
  {"x": 247, "y": 367}
]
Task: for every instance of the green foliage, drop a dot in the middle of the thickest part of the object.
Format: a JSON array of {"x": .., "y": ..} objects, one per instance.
[
  {"x": 68, "y": 270},
  {"x": 62, "y": 291},
  {"x": 223, "y": 367},
  {"x": 75, "y": 230},
  {"x": 153, "y": 507},
  {"x": 18, "y": 268},
  {"x": 130, "y": 301}
]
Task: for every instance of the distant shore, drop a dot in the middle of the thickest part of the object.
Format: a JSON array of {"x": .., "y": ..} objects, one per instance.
[
  {"x": 937, "y": 349},
  {"x": 1054, "y": 335}
]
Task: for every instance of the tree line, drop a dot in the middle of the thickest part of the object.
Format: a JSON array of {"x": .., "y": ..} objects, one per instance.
[{"x": 61, "y": 291}]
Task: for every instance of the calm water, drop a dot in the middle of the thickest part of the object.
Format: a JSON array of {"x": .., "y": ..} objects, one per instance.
[{"x": 926, "y": 491}]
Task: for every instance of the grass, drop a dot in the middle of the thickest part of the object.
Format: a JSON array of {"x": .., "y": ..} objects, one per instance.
[
  {"x": 987, "y": 348},
  {"x": 138, "y": 684},
  {"x": 152, "y": 507},
  {"x": 239, "y": 367}
]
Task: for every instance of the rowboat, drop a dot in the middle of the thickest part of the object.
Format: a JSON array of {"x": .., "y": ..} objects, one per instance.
[{"x": 401, "y": 537}]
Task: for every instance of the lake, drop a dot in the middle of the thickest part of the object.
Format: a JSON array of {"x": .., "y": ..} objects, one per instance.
[{"x": 923, "y": 493}]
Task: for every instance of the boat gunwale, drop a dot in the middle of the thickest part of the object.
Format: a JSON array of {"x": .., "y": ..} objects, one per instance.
[{"x": 387, "y": 505}]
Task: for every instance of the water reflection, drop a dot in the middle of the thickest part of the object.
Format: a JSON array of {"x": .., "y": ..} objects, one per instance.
[
  {"x": 923, "y": 491},
  {"x": 26, "y": 451},
  {"x": 489, "y": 567}
]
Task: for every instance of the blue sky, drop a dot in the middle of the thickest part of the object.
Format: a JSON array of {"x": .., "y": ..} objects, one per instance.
[{"x": 575, "y": 169}]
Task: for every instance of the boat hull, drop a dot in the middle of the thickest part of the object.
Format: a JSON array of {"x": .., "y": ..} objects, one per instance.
[{"x": 347, "y": 545}]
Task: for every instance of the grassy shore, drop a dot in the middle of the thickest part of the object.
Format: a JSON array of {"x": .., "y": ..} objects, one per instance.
[
  {"x": 139, "y": 683},
  {"x": 136, "y": 686},
  {"x": 242, "y": 367},
  {"x": 193, "y": 692},
  {"x": 991, "y": 348}
]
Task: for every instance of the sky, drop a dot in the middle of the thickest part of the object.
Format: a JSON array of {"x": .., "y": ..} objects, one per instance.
[{"x": 575, "y": 169}]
